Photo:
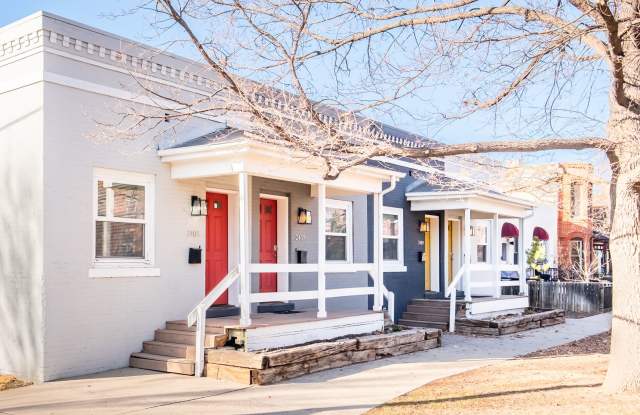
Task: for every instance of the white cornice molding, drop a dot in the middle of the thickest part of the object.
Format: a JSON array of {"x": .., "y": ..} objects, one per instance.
[{"x": 146, "y": 67}]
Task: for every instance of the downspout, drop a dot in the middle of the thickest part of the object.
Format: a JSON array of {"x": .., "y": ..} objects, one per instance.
[{"x": 391, "y": 303}]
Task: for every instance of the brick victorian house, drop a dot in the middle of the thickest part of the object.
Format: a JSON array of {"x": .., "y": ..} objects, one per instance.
[{"x": 582, "y": 201}]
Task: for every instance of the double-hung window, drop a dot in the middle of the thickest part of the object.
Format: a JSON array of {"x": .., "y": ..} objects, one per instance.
[
  {"x": 392, "y": 239},
  {"x": 338, "y": 231},
  {"x": 480, "y": 240},
  {"x": 123, "y": 218}
]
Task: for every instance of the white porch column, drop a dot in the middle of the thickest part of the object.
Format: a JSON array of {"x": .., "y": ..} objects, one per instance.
[
  {"x": 495, "y": 254},
  {"x": 466, "y": 251},
  {"x": 377, "y": 252},
  {"x": 522, "y": 261},
  {"x": 244, "y": 257},
  {"x": 321, "y": 220}
]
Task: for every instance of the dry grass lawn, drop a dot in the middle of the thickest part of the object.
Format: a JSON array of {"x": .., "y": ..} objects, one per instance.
[
  {"x": 563, "y": 380},
  {"x": 10, "y": 382}
]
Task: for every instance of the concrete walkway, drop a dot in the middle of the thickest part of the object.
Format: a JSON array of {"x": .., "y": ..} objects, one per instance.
[{"x": 350, "y": 390}]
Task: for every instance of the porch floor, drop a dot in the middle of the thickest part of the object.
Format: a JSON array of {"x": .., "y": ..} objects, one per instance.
[{"x": 259, "y": 320}]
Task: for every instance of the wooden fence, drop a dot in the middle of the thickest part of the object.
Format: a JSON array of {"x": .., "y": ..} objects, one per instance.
[{"x": 580, "y": 298}]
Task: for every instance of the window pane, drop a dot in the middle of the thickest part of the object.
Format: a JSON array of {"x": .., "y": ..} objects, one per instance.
[
  {"x": 102, "y": 199},
  {"x": 482, "y": 253},
  {"x": 336, "y": 248},
  {"x": 390, "y": 249},
  {"x": 119, "y": 240},
  {"x": 389, "y": 225},
  {"x": 128, "y": 201},
  {"x": 336, "y": 220}
]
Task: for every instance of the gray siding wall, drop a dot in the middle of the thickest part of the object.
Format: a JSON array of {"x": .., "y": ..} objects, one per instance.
[{"x": 305, "y": 238}]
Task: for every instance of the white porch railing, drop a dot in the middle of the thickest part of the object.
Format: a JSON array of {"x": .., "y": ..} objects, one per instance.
[
  {"x": 391, "y": 299},
  {"x": 391, "y": 302},
  {"x": 319, "y": 294},
  {"x": 452, "y": 293},
  {"x": 198, "y": 316},
  {"x": 497, "y": 284}
]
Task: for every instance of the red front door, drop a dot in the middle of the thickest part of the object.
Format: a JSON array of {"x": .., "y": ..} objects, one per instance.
[
  {"x": 217, "y": 248},
  {"x": 268, "y": 243}
]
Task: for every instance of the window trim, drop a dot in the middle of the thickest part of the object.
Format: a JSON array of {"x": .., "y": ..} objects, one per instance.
[
  {"x": 396, "y": 265},
  {"x": 124, "y": 267},
  {"x": 348, "y": 207},
  {"x": 482, "y": 223}
]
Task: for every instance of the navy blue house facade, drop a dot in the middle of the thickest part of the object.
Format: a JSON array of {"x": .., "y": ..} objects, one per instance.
[{"x": 411, "y": 283}]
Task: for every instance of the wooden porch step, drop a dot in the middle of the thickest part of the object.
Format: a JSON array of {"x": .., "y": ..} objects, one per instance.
[
  {"x": 181, "y": 325},
  {"x": 439, "y": 318},
  {"x": 430, "y": 324},
  {"x": 162, "y": 363},
  {"x": 430, "y": 303},
  {"x": 425, "y": 309},
  {"x": 184, "y": 351},
  {"x": 189, "y": 337}
]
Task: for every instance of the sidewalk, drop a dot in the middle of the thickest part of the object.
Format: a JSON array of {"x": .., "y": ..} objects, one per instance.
[{"x": 350, "y": 390}]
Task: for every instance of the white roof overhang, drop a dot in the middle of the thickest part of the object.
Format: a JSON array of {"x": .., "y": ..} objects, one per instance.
[
  {"x": 268, "y": 160},
  {"x": 479, "y": 201}
]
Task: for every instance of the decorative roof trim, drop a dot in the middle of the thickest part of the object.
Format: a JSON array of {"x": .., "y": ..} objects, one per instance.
[{"x": 149, "y": 67}]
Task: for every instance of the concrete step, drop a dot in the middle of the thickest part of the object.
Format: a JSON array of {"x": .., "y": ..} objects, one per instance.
[
  {"x": 430, "y": 324},
  {"x": 439, "y": 311},
  {"x": 162, "y": 363},
  {"x": 184, "y": 351},
  {"x": 181, "y": 325},
  {"x": 426, "y": 317},
  {"x": 189, "y": 337}
]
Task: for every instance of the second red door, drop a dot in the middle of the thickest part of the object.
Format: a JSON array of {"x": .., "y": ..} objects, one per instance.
[{"x": 268, "y": 243}]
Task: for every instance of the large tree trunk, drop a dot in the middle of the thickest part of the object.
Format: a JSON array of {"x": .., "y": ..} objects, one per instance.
[{"x": 624, "y": 364}]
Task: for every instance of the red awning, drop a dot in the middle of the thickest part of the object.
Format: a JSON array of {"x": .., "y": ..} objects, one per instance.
[
  {"x": 540, "y": 233},
  {"x": 509, "y": 230}
]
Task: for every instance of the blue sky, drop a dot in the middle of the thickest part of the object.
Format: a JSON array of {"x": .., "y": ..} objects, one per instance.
[{"x": 482, "y": 126}]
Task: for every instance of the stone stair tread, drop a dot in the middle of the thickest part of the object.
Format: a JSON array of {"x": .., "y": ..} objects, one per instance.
[{"x": 149, "y": 356}]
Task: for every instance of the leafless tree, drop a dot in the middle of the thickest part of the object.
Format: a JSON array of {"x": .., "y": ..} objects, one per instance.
[{"x": 306, "y": 73}]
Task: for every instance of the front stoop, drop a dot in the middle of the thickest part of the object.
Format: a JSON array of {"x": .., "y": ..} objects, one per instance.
[
  {"x": 262, "y": 368},
  {"x": 173, "y": 348},
  {"x": 266, "y": 367},
  {"x": 428, "y": 313}
]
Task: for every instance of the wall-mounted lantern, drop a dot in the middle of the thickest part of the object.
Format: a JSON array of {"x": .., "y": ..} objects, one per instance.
[
  {"x": 421, "y": 256},
  {"x": 425, "y": 226},
  {"x": 198, "y": 206},
  {"x": 304, "y": 216}
]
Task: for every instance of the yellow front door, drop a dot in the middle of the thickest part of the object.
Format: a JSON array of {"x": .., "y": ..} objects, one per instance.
[
  {"x": 450, "y": 249},
  {"x": 427, "y": 255}
]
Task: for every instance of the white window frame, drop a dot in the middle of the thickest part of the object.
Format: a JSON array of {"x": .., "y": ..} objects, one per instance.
[
  {"x": 348, "y": 207},
  {"x": 125, "y": 267},
  {"x": 398, "y": 264},
  {"x": 476, "y": 224}
]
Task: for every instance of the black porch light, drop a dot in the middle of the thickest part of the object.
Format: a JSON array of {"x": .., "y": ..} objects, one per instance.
[
  {"x": 304, "y": 216},
  {"x": 198, "y": 206}
]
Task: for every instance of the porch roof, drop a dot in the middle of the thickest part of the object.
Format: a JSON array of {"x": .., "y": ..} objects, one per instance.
[
  {"x": 477, "y": 200},
  {"x": 231, "y": 151}
]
